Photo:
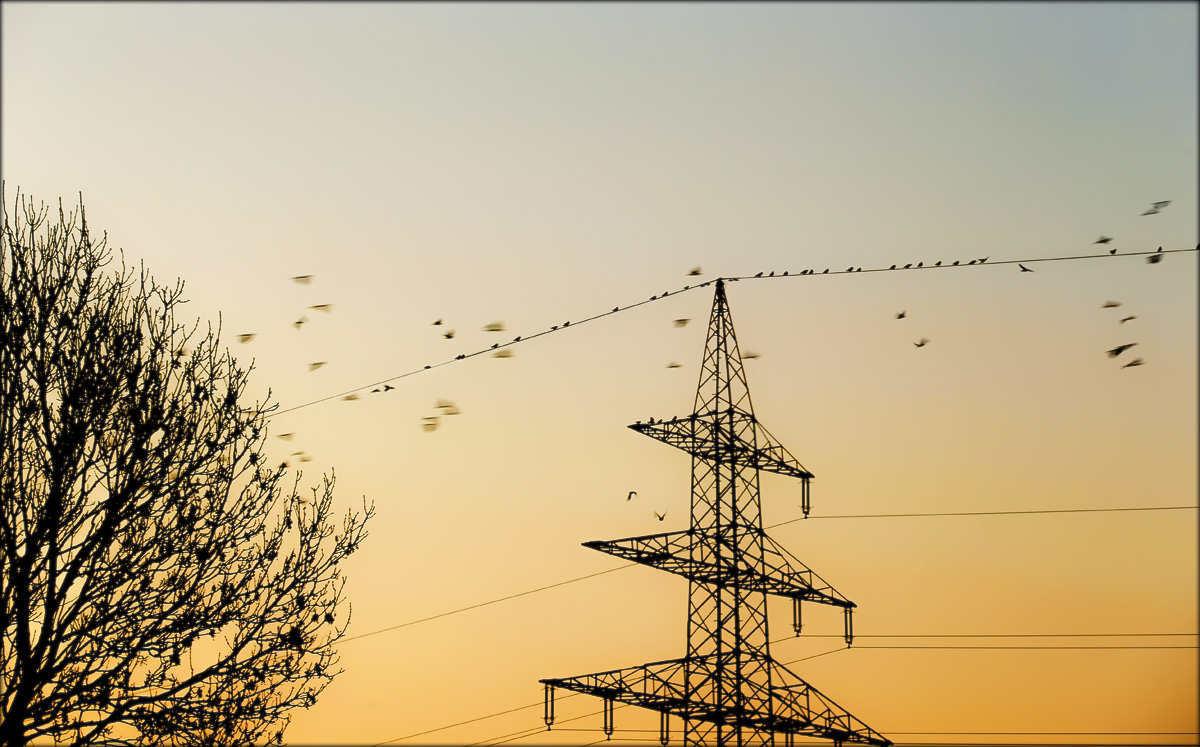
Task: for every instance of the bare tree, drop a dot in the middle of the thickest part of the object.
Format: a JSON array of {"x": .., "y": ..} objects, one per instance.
[{"x": 162, "y": 584}]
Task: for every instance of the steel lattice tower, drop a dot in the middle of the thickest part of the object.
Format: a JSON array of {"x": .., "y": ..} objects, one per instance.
[{"x": 728, "y": 689}]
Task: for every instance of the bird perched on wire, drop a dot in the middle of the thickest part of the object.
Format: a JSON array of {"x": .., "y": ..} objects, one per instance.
[
  {"x": 1134, "y": 362},
  {"x": 1113, "y": 250},
  {"x": 902, "y": 314},
  {"x": 1103, "y": 240},
  {"x": 1155, "y": 258},
  {"x": 1111, "y": 304},
  {"x": 1023, "y": 268},
  {"x": 758, "y": 275},
  {"x": 1120, "y": 349},
  {"x": 922, "y": 343},
  {"x": 1127, "y": 319}
]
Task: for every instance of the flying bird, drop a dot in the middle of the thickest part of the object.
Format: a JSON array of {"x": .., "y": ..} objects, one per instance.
[
  {"x": 659, "y": 516},
  {"x": 439, "y": 321},
  {"x": 1154, "y": 259},
  {"x": 1120, "y": 349},
  {"x": 902, "y": 314},
  {"x": 303, "y": 279},
  {"x": 494, "y": 327},
  {"x": 681, "y": 322},
  {"x": 924, "y": 341},
  {"x": 1161, "y": 205},
  {"x": 350, "y": 397},
  {"x": 1134, "y": 362},
  {"x": 442, "y": 404},
  {"x": 1128, "y": 319},
  {"x": 673, "y": 364},
  {"x": 751, "y": 356},
  {"x": 1103, "y": 240},
  {"x": 430, "y": 424},
  {"x": 1151, "y": 211},
  {"x": 695, "y": 271},
  {"x": 246, "y": 337},
  {"x": 449, "y": 335},
  {"x": 286, "y": 436},
  {"x": 1023, "y": 268},
  {"x": 300, "y": 322},
  {"x": 314, "y": 366},
  {"x": 1111, "y": 304},
  {"x": 502, "y": 354},
  {"x": 632, "y": 493},
  {"x": 388, "y": 387},
  {"x": 326, "y": 307}
]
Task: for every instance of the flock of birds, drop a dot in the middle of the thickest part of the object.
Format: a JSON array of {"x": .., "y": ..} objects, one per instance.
[
  {"x": 501, "y": 350},
  {"x": 657, "y": 515}
]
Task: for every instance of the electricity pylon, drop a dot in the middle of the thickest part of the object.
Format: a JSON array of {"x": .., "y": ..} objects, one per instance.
[{"x": 728, "y": 690}]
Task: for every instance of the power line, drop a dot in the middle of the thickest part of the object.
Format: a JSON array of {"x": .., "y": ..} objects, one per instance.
[
  {"x": 790, "y": 521},
  {"x": 1026, "y": 648},
  {"x": 988, "y": 513},
  {"x": 686, "y": 288}
]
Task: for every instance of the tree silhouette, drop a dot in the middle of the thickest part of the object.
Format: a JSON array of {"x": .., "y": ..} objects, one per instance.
[{"x": 162, "y": 584}]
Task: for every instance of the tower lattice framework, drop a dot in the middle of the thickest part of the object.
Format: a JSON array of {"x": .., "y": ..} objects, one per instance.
[{"x": 728, "y": 690}]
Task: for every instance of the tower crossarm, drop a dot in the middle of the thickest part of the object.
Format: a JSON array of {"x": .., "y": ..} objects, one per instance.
[
  {"x": 701, "y": 435},
  {"x": 673, "y": 551},
  {"x": 796, "y": 707}
]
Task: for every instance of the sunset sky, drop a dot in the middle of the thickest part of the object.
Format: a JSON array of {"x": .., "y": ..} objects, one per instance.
[{"x": 539, "y": 163}]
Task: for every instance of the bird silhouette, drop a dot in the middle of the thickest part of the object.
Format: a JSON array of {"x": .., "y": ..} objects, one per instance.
[
  {"x": 300, "y": 322},
  {"x": 902, "y": 314},
  {"x": 985, "y": 259},
  {"x": 246, "y": 337},
  {"x": 502, "y": 354},
  {"x": 303, "y": 279},
  {"x": 615, "y": 309},
  {"x": 1151, "y": 211},
  {"x": 907, "y": 266},
  {"x": 494, "y": 327},
  {"x": 751, "y": 356},
  {"x": 631, "y": 495},
  {"x": 430, "y": 424},
  {"x": 449, "y": 334},
  {"x": 673, "y": 364},
  {"x": 1023, "y": 268},
  {"x": 695, "y": 271},
  {"x": 1111, "y": 304},
  {"x": 1134, "y": 362},
  {"x": 938, "y": 263},
  {"x": 825, "y": 271},
  {"x": 566, "y": 324},
  {"x": 350, "y": 397},
  {"x": 1128, "y": 319},
  {"x": 388, "y": 387},
  {"x": 771, "y": 274},
  {"x": 1161, "y": 205},
  {"x": 850, "y": 269},
  {"x": 956, "y": 263},
  {"x": 326, "y": 307},
  {"x": 661, "y": 516},
  {"x": 286, "y": 436},
  {"x": 924, "y": 341},
  {"x": 1103, "y": 240},
  {"x": 919, "y": 264},
  {"x": 1154, "y": 259},
  {"x": 1120, "y": 349},
  {"x": 1113, "y": 250},
  {"x": 971, "y": 262},
  {"x": 681, "y": 322},
  {"x": 439, "y": 321},
  {"x": 758, "y": 275},
  {"x": 892, "y": 267},
  {"x": 314, "y": 366}
]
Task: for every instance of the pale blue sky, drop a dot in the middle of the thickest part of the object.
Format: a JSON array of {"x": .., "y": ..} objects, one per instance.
[{"x": 536, "y": 163}]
